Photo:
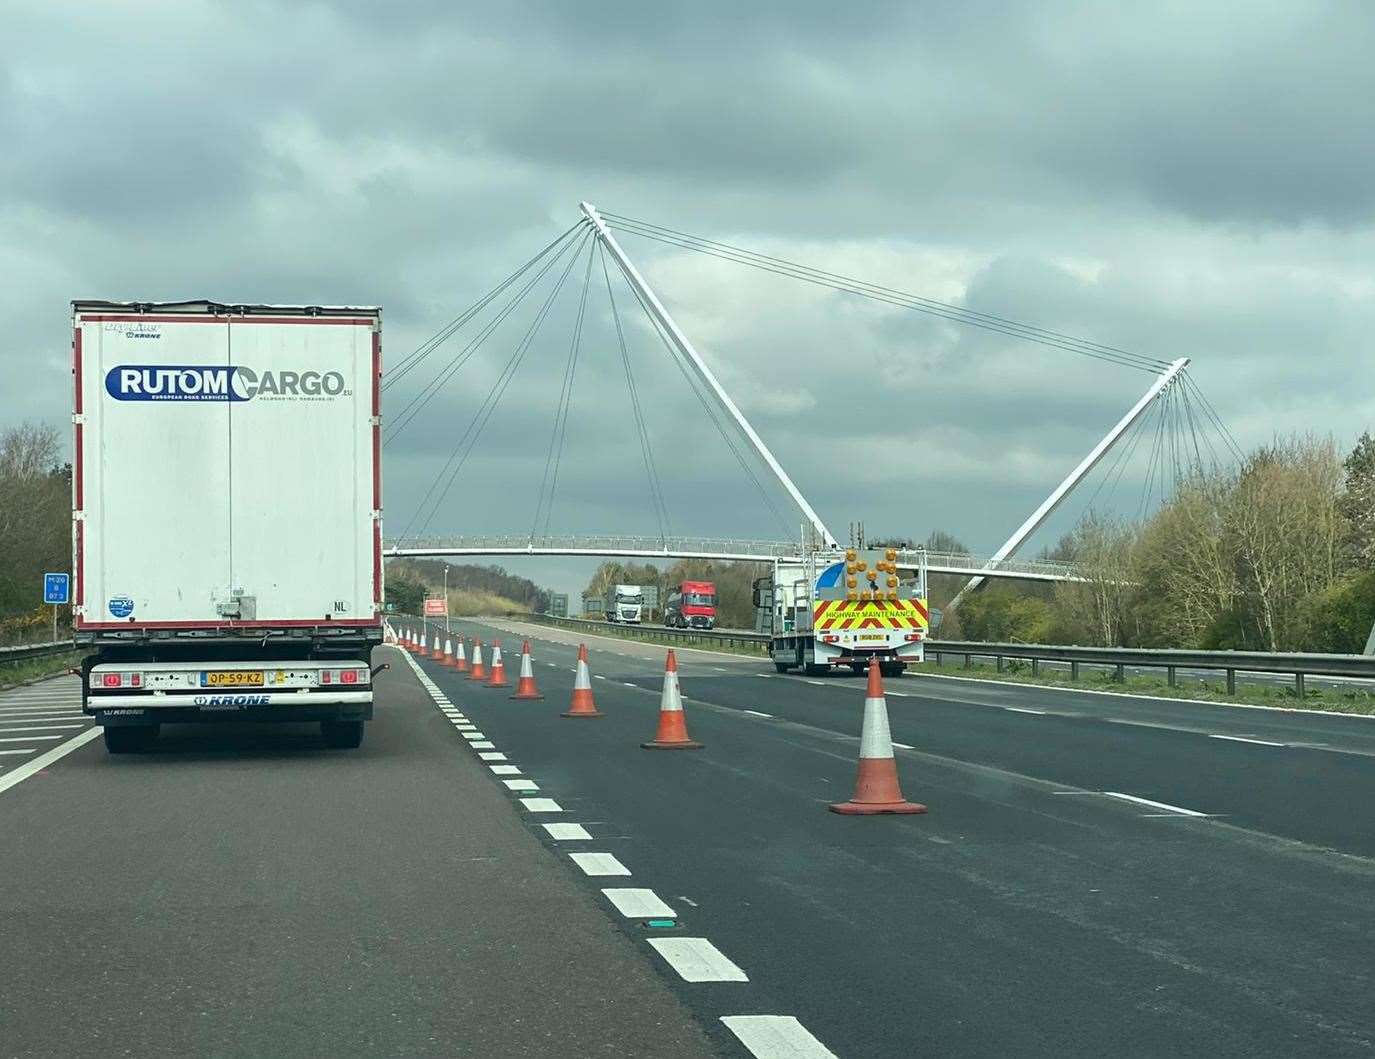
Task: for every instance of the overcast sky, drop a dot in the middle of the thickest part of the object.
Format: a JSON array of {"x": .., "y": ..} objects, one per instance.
[{"x": 1185, "y": 180}]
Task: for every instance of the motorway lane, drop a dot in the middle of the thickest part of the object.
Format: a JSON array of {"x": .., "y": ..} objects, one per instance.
[
  {"x": 37, "y": 722},
  {"x": 244, "y": 891},
  {"x": 1011, "y": 920},
  {"x": 1164, "y": 750}
]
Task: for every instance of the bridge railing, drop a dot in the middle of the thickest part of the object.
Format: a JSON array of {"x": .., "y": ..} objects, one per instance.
[{"x": 1117, "y": 659}]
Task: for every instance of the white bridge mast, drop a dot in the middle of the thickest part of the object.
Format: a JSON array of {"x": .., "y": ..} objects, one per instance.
[
  {"x": 680, "y": 340},
  {"x": 1033, "y": 523}
]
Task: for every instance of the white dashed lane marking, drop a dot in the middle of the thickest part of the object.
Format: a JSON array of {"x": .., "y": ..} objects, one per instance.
[
  {"x": 504, "y": 770},
  {"x": 521, "y": 785},
  {"x": 565, "y": 832},
  {"x": 639, "y": 904},
  {"x": 541, "y": 805},
  {"x": 697, "y": 960},
  {"x": 1243, "y": 739},
  {"x": 757, "y": 713},
  {"x": 776, "y": 1037},
  {"x": 1023, "y": 709},
  {"x": 492, "y": 755},
  {"x": 599, "y": 864},
  {"x": 1154, "y": 805},
  {"x": 30, "y": 738}
]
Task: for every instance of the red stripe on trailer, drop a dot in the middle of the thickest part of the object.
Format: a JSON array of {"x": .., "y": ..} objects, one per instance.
[{"x": 192, "y": 318}]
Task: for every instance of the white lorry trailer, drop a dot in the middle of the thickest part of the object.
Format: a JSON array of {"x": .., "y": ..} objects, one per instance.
[
  {"x": 226, "y": 514},
  {"x": 624, "y": 604},
  {"x": 838, "y": 608}
]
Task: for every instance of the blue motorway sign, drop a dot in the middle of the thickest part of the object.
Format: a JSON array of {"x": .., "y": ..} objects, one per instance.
[{"x": 56, "y": 588}]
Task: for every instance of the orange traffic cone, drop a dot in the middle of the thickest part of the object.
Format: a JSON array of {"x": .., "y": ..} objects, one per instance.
[
  {"x": 478, "y": 670},
  {"x": 438, "y": 653},
  {"x": 876, "y": 789},
  {"x": 460, "y": 659},
  {"x": 498, "y": 677},
  {"x": 406, "y": 640},
  {"x": 525, "y": 686},
  {"x": 424, "y": 648},
  {"x": 448, "y": 659},
  {"x": 672, "y": 733},
  {"x": 582, "y": 704}
]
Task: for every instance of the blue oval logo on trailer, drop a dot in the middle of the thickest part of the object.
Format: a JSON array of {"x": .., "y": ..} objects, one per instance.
[{"x": 121, "y": 606}]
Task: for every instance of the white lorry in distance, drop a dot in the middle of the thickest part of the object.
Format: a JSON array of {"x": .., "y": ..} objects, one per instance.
[
  {"x": 226, "y": 514},
  {"x": 624, "y": 604}
]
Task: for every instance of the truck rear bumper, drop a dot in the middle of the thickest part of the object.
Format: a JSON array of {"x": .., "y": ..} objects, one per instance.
[{"x": 173, "y": 709}]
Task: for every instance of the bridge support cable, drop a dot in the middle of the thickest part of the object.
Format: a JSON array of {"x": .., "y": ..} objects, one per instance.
[
  {"x": 416, "y": 356},
  {"x": 464, "y": 447},
  {"x": 889, "y": 295},
  {"x": 427, "y": 393},
  {"x": 549, "y": 482},
  {"x": 708, "y": 406},
  {"x": 1058, "y": 495},
  {"x": 685, "y": 347},
  {"x": 656, "y": 489}
]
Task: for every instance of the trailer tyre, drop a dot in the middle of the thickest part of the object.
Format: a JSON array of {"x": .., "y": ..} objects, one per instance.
[
  {"x": 342, "y": 735},
  {"x": 782, "y": 667},
  {"x": 129, "y": 739}
]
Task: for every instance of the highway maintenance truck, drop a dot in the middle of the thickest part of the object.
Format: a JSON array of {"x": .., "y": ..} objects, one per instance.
[
  {"x": 842, "y": 608},
  {"x": 226, "y": 514}
]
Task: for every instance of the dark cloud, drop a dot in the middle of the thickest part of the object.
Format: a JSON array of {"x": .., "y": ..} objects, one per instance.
[{"x": 1180, "y": 180}]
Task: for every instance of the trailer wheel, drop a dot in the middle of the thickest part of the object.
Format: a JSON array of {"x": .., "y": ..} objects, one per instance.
[
  {"x": 782, "y": 667},
  {"x": 129, "y": 739},
  {"x": 342, "y": 735}
]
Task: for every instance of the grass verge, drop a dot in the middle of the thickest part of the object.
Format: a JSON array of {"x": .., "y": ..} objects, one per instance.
[
  {"x": 648, "y": 634},
  {"x": 1337, "y": 699},
  {"x": 15, "y": 673}
]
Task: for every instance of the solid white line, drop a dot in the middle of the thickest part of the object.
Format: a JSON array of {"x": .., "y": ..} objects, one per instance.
[
  {"x": 776, "y": 1037},
  {"x": 599, "y": 864},
  {"x": 492, "y": 755},
  {"x": 566, "y": 832},
  {"x": 29, "y": 738},
  {"x": 20, "y": 750},
  {"x": 42, "y": 761},
  {"x": 1023, "y": 709},
  {"x": 1243, "y": 739},
  {"x": 504, "y": 770},
  {"x": 521, "y": 785},
  {"x": 756, "y": 713},
  {"x": 541, "y": 805},
  {"x": 1154, "y": 805},
  {"x": 697, "y": 960},
  {"x": 42, "y": 728},
  {"x": 639, "y": 904}
]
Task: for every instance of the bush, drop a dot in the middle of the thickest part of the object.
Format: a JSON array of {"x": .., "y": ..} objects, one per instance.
[{"x": 1339, "y": 620}]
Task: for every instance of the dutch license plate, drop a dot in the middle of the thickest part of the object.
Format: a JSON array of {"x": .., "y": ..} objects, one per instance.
[
  {"x": 872, "y": 636},
  {"x": 232, "y": 678}
]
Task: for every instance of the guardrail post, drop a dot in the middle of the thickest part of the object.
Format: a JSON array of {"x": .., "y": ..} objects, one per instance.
[
  {"x": 1035, "y": 667},
  {"x": 1170, "y": 676},
  {"x": 1231, "y": 682},
  {"x": 1298, "y": 684},
  {"x": 1074, "y": 671},
  {"x": 1119, "y": 673},
  {"x": 998, "y": 661}
]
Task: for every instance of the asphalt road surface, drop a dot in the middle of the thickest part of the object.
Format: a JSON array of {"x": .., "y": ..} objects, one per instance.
[{"x": 1098, "y": 875}]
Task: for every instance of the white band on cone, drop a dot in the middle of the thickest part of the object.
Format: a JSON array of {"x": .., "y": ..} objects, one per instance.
[
  {"x": 582, "y": 680},
  {"x": 671, "y": 699},
  {"x": 875, "y": 740}
]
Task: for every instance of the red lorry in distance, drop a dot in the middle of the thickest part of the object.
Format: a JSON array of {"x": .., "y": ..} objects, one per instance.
[{"x": 691, "y": 604}]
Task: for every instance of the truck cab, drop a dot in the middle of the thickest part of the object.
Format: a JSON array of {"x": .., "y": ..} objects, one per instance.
[
  {"x": 624, "y": 604},
  {"x": 691, "y": 605}
]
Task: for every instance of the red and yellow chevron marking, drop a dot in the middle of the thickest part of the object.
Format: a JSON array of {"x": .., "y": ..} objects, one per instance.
[{"x": 870, "y": 614}]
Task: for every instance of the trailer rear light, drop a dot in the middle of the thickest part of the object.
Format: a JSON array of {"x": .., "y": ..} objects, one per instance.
[
  {"x": 349, "y": 676},
  {"x": 118, "y": 680},
  {"x": 110, "y": 680},
  {"x": 913, "y": 637},
  {"x": 343, "y": 676},
  {"x": 830, "y": 639}
]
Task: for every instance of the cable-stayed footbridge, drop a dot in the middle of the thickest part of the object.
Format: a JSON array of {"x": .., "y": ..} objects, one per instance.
[{"x": 1172, "y": 412}]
